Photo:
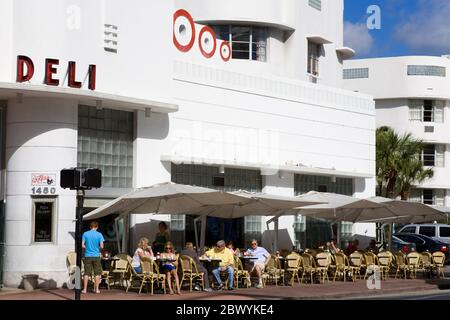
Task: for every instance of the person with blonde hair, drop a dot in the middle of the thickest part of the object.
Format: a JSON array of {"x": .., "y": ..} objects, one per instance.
[
  {"x": 169, "y": 266},
  {"x": 143, "y": 250}
]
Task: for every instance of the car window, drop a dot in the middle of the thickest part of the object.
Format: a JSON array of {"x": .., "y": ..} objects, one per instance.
[
  {"x": 411, "y": 239},
  {"x": 428, "y": 231},
  {"x": 409, "y": 230},
  {"x": 444, "y": 231}
]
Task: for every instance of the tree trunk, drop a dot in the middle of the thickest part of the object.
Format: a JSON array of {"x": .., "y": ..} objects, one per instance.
[
  {"x": 405, "y": 195},
  {"x": 390, "y": 189}
]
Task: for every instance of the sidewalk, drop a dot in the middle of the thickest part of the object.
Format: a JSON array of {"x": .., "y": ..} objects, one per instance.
[{"x": 331, "y": 290}]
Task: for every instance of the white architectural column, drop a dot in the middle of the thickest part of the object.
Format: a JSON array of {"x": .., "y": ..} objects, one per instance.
[
  {"x": 41, "y": 138},
  {"x": 280, "y": 184}
]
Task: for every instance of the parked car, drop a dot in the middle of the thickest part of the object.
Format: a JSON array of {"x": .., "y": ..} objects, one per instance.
[
  {"x": 424, "y": 243},
  {"x": 440, "y": 232},
  {"x": 400, "y": 245}
]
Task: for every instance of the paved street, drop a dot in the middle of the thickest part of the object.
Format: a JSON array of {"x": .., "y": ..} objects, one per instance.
[{"x": 337, "y": 290}]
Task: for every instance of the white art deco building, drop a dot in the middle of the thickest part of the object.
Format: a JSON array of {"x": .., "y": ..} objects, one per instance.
[
  {"x": 412, "y": 96},
  {"x": 232, "y": 95}
]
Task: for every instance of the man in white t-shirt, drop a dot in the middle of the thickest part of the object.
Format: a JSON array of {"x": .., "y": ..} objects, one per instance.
[{"x": 259, "y": 264}]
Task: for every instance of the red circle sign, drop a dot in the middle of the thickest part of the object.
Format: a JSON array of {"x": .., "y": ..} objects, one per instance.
[
  {"x": 225, "y": 51},
  {"x": 208, "y": 32},
  {"x": 177, "y": 33}
]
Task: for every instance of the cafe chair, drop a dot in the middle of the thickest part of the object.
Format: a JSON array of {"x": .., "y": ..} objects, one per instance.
[
  {"x": 438, "y": 263},
  {"x": 240, "y": 274},
  {"x": 189, "y": 272}
]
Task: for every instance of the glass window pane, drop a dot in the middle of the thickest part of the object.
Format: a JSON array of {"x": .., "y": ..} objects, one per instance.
[{"x": 105, "y": 140}]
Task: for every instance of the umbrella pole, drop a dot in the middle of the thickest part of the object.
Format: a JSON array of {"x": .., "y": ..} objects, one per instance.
[
  {"x": 390, "y": 237},
  {"x": 275, "y": 244},
  {"x": 203, "y": 232}
]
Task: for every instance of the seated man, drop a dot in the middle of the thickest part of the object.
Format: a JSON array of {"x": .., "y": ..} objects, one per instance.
[
  {"x": 258, "y": 265},
  {"x": 190, "y": 252},
  {"x": 225, "y": 265}
]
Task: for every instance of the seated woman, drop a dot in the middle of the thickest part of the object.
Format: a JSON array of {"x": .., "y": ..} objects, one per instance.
[
  {"x": 232, "y": 249},
  {"x": 143, "y": 250},
  {"x": 169, "y": 267}
]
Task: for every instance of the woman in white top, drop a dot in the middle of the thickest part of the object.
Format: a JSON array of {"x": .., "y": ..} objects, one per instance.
[{"x": 143, "y": 250}]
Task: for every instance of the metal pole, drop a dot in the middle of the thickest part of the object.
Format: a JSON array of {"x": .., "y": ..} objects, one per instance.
[
  {"x": 276, "y": 234},
  {"x": 78, "y": 232}
]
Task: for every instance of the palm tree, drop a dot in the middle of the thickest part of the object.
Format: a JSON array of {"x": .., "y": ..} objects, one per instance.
[
  {"x": 412, "y": 172},
  {"x": 398, "y": 164}
]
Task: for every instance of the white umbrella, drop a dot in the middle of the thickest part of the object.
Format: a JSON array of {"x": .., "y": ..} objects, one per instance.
[
  {"x": 166, "y": 198},
  {"x": 344, "y": 208},
  {"x": 257, "y": 204},
  {"x": 410, "y": 212}
]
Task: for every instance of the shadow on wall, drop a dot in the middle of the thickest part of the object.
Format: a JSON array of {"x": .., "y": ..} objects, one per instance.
[
  {"x": 155, "y": 127},
  {"x": 147, "y": 230},
  {"x": 284, "y": 240},
  {"x": 363, "y": 241}
]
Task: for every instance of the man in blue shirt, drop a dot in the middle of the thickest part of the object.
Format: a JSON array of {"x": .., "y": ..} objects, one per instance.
[
  {"x": 262, "y": 258},
  {"x": 92, "y": 244}
]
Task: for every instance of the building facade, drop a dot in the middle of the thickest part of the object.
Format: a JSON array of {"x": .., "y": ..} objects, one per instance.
[
  {"x": 411, "y": 97},
  {"x": 233, "y": 95}
]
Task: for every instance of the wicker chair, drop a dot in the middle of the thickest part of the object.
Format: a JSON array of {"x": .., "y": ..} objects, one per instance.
[
  {"x": 189, "y": 272},
  {"x": 293, "y": 266},
  {"x": 400, "y": 262},
  {"x": 426, "y": 262},
  {"x": 121, "y": 269},
  {"x": 150, "y": 274},
  {"x": 240, "y": 274},
  {"x": 273, "y": 271},
  {"x": 371, "y": 263},
  {"x": 385, "y": 263},
  {"x": 413, "y": 261},
  {"x": 438, "y": 263},
  {"x": 323, "y": 262},
  {"x": 342, "y": 266},
  {"x": 356, "y": 263}
]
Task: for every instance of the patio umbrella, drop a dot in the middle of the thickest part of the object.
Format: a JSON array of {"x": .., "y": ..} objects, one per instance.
[
  {"x": 410, "y": 212},
  {"x": 258, "y": 204},
  {"x": 166, "y": 198},
  {"x": 437, "y": 213},
  {"x": 344, "y": 208}
]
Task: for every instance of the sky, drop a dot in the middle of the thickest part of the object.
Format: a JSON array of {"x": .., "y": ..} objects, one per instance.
[{"x": 407, "y": 27}]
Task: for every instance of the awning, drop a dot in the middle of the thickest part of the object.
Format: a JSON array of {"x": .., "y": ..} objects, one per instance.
[
  {"x": 346, "y": 52},
  {"x": 266, "y": 169},
  {"x": 318, "y": 39},
  {"x": 10, "y": 90}
]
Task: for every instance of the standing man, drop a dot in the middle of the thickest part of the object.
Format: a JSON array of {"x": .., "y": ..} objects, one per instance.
[
  {"x": 225, "y": 265},
  {"x": 262, "y": 258},
  {"x": 92, "y": 244},
  {"x": 190, "y": 252}
]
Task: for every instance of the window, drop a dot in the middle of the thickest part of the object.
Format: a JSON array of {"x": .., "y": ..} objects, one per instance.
[
  {"x": 444, "y": 232},
  {"x": 357, "y": 73},
  {"x": 411, "y": 239},
  {"x": 316, "y": 4},
  {"x": 428, "y": 196},
  {"x": 111, "y": 34},
  {"x": 247, "y": 42},
  {"x": 427, "y": 231},
  {"x": 418, "y": 70},
  {"x": 409, "y": 230},
  {"x": 306, "y": 183},
  {"x": 426, "y": 111},
  {"x": 314, "y": 51},
  {"x": 44, "y": 220},
  {"x": 105, "y": 141},
  {"x": 433, "y": 155}
]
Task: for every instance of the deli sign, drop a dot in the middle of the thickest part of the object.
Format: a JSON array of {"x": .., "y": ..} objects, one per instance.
[{"x": 25, "y": 72}]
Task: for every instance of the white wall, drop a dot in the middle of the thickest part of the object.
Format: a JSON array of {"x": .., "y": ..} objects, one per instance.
[{"x": 41, "y": 138}]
